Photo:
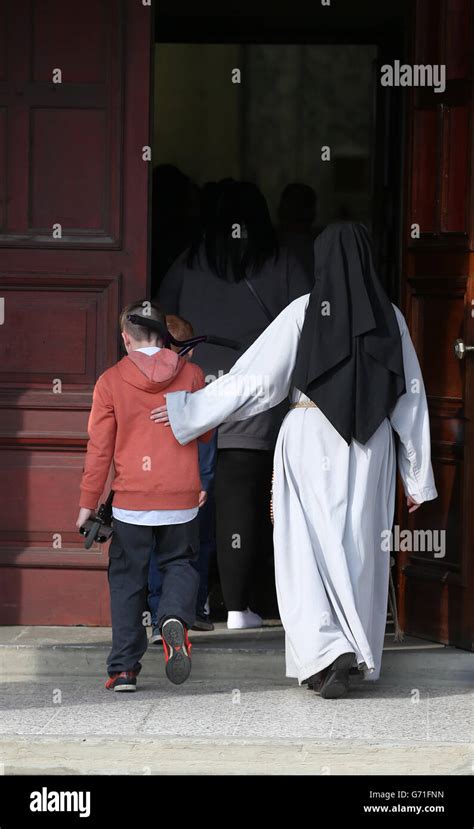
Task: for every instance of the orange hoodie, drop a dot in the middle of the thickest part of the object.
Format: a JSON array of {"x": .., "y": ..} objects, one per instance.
[{"x": 152, "y": 470}]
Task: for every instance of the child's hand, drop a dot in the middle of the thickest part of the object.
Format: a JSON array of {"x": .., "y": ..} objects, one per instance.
[
  {"x": 160, "y": 415},
  {"x": 84, "y": 515},
  {"x": 202, "y": 498}
]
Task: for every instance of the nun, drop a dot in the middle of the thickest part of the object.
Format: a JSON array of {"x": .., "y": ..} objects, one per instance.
[{"x": 344, "y": 356}]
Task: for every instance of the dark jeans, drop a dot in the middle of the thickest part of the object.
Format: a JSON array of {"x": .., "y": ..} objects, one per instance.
[
  {"x": 207, "y": 536},
  {"x": 175, "y": 548},
  {"x": 244, "y": 529}
]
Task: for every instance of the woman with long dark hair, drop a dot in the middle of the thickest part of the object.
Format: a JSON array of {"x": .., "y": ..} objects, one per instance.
[
  {"x": 233, "y": 282},
  {"x": 345, "y": 356}
]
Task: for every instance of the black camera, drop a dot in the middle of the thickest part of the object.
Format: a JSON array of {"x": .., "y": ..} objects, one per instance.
[{"x": 100, "y": 527}]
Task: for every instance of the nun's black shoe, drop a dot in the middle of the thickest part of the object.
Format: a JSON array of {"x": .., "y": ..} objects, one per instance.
[
  {"x": 336, "y": 681},
  {"x": 316, "y": 680}
]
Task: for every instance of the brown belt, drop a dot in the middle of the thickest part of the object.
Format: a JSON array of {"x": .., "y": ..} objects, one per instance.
[{"x": 308, "y": 405}]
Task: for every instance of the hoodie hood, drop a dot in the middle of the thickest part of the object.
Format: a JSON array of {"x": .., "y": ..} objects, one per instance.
[{"x": 150, "y": 373}]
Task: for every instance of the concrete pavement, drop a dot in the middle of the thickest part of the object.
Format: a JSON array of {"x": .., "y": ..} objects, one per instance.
[{"x": 237, "y": 714}]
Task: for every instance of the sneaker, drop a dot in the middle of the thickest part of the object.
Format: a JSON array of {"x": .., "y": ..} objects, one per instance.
[
  {"x": 125, "y": 681},
  {"x": 155, "y": 637},
  {"x": 177, "y": 648},
  {"x": 202, "y": 623},
  {"x": 241, "y": 619}
]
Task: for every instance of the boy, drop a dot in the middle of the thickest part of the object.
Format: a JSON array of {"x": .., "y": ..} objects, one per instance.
[
  {"x": 181, "y": 329},
  {"x": 157, "y": 494}
]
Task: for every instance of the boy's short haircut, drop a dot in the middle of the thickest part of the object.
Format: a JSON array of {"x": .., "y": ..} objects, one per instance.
[
  {"x": 144, "y": 308},
  {"x": 178, "y": 327}
]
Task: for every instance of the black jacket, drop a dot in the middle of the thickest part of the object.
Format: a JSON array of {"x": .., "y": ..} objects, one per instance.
[{"x": 228, "y": 309}]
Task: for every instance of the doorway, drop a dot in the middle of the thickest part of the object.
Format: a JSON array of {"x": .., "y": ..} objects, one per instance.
[
  {"x": 276, "y": 113},
  {"x": 274, "y": 109}
]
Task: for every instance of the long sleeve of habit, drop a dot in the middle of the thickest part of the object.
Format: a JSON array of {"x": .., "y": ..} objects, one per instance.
[
  {"x": 259, "y": 380},
  {"x": 410, "y": 419}
]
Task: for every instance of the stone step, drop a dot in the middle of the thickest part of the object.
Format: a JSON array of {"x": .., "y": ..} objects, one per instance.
[
  {"x": 144, "y": 756},
  {"x": 82, "y": 652}
]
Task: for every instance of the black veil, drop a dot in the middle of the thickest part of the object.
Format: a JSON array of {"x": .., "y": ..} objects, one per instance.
[{"x": 349, "y": 360}]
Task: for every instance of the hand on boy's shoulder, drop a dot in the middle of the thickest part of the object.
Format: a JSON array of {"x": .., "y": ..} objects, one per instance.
[{"x": 198, "y": 381}]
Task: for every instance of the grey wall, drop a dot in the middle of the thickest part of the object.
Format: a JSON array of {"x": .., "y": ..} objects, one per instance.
[
  {"x": 198, "y": 109},
  {"x": 293, "y": 99}
]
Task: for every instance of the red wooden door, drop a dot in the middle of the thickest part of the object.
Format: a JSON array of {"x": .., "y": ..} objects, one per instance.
[
  {"x": 437, "y": 591},
  {"x": 74, "y": 118}
]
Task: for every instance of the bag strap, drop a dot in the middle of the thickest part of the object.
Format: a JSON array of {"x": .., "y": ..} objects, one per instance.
[{"x": 270, "y": 317}]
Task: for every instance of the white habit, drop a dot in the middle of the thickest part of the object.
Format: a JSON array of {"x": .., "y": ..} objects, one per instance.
[{"x": 332, "y": 502}]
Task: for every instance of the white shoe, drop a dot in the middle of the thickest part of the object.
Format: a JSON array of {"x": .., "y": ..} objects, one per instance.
[{"x": 241, "y": 619}]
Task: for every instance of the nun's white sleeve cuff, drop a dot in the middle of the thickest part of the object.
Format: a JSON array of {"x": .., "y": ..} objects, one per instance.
[
  {"x": 176, "y": 403},
  {"x": 421, "y": 495}
]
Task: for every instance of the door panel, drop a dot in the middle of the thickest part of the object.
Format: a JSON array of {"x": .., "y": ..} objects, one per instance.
[
  {"x": 455, "y": 163},
  {"x": 70, "y": 156},
  {"x": 64, "y": 139},
  {"x": 436, "y": 590},
  {"x": 425, "y": 161}
]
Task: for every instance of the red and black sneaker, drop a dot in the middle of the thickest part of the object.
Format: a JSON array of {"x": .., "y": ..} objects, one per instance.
[
  {"x": 125, "y": 681},
  {"x": 177, "y": 648}
]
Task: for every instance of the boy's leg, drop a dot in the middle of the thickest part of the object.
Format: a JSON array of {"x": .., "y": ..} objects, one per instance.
[
  {"x": 207, "y": 544},
  {"x": 207, "y": 521},
  {"x": 177, "y": 549},
  {"x": 154, "y": 587},
  {"x": 128, "y": 581}
]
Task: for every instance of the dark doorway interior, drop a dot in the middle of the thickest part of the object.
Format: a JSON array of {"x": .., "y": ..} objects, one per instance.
[{"x": 308, "y": 80}]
